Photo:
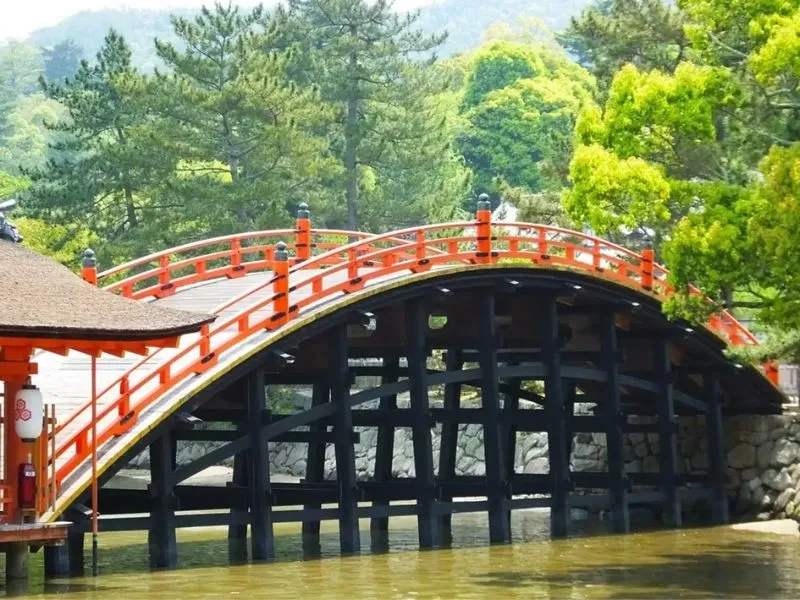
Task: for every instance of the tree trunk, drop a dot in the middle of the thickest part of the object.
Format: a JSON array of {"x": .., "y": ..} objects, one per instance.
[
  {"x": 130, "y": 209},
  {"x": 351, "y": 145}
]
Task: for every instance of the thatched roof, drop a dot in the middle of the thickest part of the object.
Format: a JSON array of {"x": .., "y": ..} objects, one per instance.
[{"x": 41, "y": 298}]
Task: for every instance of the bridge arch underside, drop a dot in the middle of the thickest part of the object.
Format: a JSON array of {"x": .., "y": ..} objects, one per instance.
[{"x": 554, "y": 352}]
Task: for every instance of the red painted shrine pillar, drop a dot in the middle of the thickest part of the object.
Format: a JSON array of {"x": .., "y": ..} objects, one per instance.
[{"x": 15, "y": 368}]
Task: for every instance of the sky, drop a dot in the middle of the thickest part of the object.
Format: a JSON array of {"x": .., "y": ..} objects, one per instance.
[{"x": 18, "y": 18}]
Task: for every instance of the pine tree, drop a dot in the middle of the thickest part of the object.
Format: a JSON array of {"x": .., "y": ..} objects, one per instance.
[
  {"x": 238, "y": 128},
  {"x": 378, "y": 74},
  {"x": 102, "y": 159}
]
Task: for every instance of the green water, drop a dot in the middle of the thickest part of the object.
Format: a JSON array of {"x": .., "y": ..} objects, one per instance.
[{"x": 688, "y": 563}]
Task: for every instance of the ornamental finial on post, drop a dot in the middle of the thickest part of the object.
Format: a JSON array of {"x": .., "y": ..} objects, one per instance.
[
  {"x": 483, "y": 202},
  {"x": 281, "y": 251},
  {"x": 89, "y": 267},
  {"x": 302, "y": 211}
]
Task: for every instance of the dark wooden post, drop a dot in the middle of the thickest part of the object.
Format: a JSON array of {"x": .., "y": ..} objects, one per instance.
[
  {"x": 67, "y": 559},
  {"x": 416, "y": 327},
  {"x": 496, "y": 474},
  {"x": 615, "y": 441},
  {"x": 716, "y": 448},
  {"x": 556, "y": 432},
  {"x": 237, "y": 529},
  {"x": 667, "y": 434},
  {"x": 262, "y": 540},
  {"x": 315, "y": 470},
  {"x": 162, "y": 540},
  {"x": 339, "y": 377},
  {"x": 510, "y": 408},
  {"x": 449, "y": 440},
  {"x": 384, "y": 452},
  {"x": 570, "y": 394}
]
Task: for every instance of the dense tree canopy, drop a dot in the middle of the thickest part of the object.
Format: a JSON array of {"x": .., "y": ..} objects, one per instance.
[
  {"x": 520, "y": 104},
  {"x": 669, "y": 124}
]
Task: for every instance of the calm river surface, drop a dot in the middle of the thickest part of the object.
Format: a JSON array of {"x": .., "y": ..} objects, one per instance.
[{"x": 689, "y": 563}]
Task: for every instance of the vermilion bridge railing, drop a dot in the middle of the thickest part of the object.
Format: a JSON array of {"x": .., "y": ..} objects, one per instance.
[{"x": 335, "y": 270}]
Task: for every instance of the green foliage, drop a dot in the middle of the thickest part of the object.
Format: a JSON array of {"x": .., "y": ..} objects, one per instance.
[
  {"x": 104, "y": 163},
  {"x": 63, "y": 243},
  {"x": 386, "y": 131},
  {"x": 611, "y": 193},
  {"x": 11, "y": 185},
  {"x": 642, "y": 159},
  {"x": 25, "y": 145},
  {"x": 20, "y": 66},
  {"x": 608, "y": 35},
  {"x": 241, "y": 136},
  {"x": 520, "y": 104}
]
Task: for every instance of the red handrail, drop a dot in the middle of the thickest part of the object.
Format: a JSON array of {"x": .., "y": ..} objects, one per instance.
[{"x": 370, "y": 258}]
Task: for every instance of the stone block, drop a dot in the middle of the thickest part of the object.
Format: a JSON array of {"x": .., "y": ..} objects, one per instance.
[
  {"x": 634, "y": 466},
  {"x": 538, "y": 466},
  {"x": 784, "y": 452},
  {"x": 783, "y": 499},
  {"x": 757, "y": 499},
  {"x": 748, "y": 474},
  {"x": 650, "y": 464},
  {"x": 763, "y": 454},
  {"x": 637, "y": 438},
  {"x": 641, "y": 450},
  {"x": 777, "y": 480},
  {"x": 742, "y": 456}
]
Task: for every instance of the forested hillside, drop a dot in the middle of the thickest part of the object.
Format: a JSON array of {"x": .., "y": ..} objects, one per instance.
[{"x": 464, "y": 20}]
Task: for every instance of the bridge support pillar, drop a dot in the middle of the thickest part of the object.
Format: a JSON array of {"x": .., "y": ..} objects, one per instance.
[
  {"x": 497, "y": 486},
  {"x": 263, "y": 545},
  {"x": 556, "y": 430},
  {"x": 416, "y": 326},
  {"x": 510, "y": 407},
  {"x": 615, "y": 441},
  {"x": 384, "y": 455},
  {"x": 67, "y": 560},
  {"x": 237, "y": 530},
  {"x": 349, "y": 538},
  {"x": 161, "y": 539},
  {"x": 449, "y": 441},
  {"x": 667, "y": 434},
  {"x": 315, "y": 471},
  {"x": 716, "y": 448}
]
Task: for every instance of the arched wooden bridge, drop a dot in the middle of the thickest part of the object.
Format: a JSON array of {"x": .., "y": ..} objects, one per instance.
[{"x": 538, "y": 318}]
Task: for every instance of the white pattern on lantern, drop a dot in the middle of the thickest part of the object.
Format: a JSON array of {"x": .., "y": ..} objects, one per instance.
[{"x": 28, "y": 413}]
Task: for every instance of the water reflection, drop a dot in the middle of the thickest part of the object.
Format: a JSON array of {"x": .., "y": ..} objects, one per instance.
[{"x": 689, "y": 563}]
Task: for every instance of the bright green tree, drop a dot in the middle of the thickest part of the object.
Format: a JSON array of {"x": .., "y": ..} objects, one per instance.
[
  {"x": 25, "y": 145},
  {"x": 20, "y": 67},
  {"x": 644, "y": 160},
  {"x": 520, "y": 106}
]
